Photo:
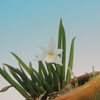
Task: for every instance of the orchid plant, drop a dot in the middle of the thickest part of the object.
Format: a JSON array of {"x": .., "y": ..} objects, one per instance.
[{"x": 52, "y": 74}]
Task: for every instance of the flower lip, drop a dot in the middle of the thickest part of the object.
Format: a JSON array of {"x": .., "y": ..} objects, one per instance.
[
  {"x": 51, "y": 53},
  {"x": 49, "y": 57}
]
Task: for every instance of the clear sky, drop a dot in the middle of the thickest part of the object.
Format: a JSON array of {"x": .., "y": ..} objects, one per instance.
[{"x": 27, "y": 24}]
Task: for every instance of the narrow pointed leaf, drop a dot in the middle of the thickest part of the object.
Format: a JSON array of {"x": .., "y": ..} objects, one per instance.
[
  {"x": 21, "y": 62},
  {"x": 43, "y": 71},
  {"x": 14, "y": 84},
  {"x": 45, "y": 85},
  {"x": 22, "y": 70},
  {"x": 34, "y": 78},
  {"x": 55, "y": 77},
  {"x": 63, "y": 56},
  {"x": 50, "y": 76},
  {"x": 32, "y": 90},
  {"x": 60, "y": 45},
  {"x": 19, "y": 80},
  {"x": 70, "y": 63},
  {"x": 16, "y": 70}
]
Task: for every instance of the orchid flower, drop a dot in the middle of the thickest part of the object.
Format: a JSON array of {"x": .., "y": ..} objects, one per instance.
[{"x": 50, "y": 55}]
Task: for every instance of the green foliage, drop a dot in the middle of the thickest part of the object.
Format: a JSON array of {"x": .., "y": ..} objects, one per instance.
[
  {"x": 70, "y": 63},
  {"x": 13, "y": 83},
  {"x": 49, "y": 77}
]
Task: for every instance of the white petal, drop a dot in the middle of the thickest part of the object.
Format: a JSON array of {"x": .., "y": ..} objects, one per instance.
[
  {"x": 58, "y": 60},
  {"x": 52, "y": 44},
  {"x": 45, "y": 49},
  {"x": 40, "y": 57},
  {"x": 58, "y": 51}
]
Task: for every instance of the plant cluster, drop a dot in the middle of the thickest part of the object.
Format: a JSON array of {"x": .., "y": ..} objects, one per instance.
[{"x": 52, "y": 74}]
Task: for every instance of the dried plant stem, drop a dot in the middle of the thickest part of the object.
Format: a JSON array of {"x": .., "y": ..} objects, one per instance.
[{"x": 75, "y": 79}]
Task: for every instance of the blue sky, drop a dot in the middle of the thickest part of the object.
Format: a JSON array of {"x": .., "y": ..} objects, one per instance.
[{"x": 27, "y": 24}]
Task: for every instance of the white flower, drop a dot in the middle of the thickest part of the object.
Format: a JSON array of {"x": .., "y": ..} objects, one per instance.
[{"x": 50, "y": 55}]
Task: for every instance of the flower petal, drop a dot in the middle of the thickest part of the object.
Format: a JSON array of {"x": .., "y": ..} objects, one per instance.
[
  {"x": 40, "y": 57},
  {"x": 58, "y": 51},
  {"x": 52, "y": 44},
  {"x": 58, "y": 60},
  {"x": 45, "y": 49}
]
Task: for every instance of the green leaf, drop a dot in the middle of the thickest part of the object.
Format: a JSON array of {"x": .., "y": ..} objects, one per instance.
[
  {"x": 34, "y": 78},
  {"x": 13, "y": 83},
  {"x": 55, "y": 76},
  {"x": 63, "y": 56},
  {"x": 50, "y": 74},
  {"x": 70, "y": 63},
  {"x": 60, "y": 35},
  {"x": 16, "y": 70},
  {"x": 35, "y": 83},
  {"x": 59, "y": 67},
  {"x": 62, "y": 45},
  {"x": 44, "y": 83},
  {"x": 22, "y": 70},
  {"x": 43, "y": 71},
  {"x": 19, "y": 80},
  {"x": 22, "y": 63},
  {"x": 32, "y": 89}
]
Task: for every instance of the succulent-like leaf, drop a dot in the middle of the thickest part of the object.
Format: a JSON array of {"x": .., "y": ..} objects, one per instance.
[
  {"x": 70, "y": 63},
  {"x": 62, "y": 45},
  {"x": 22, "y": 70},
  {"x": 16, "y": 70},
  {"x": 63, "y": 56},
  {"x": 19, "y": 80},
  {"x": 44, "y": 83},
  {"x": 13, "y": 83},
  {"x": 43, "y": 71},
  {"x": 50, "y": 74},
  {"x": 59, "y": 67},
  {"x": 21, "y": 62},
  {"x": 55, "y": 76},
  {"x": 32, "y": 91},
  {"x": 34, "y": 77}
]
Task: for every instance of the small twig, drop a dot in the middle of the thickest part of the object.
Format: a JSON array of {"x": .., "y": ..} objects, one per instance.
[
  {"x": 47, "y": 98},
  {"x": 94, "y": 73},
  {"x": 75, "y": 79},
  {"x": 41, "y": 95}
]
